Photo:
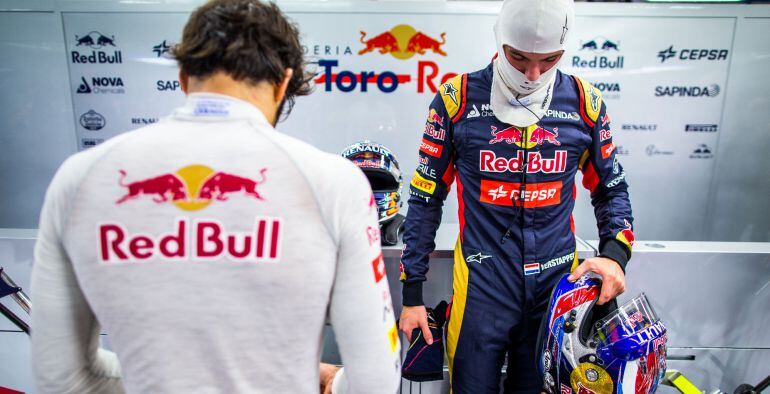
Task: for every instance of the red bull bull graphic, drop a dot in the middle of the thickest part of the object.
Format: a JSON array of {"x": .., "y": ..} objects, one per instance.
[
  {"x": 435, "y": 118},
  {"x": 193, "y": 187},
  {"x": 490, "y": 162},
  {"x": 420, "y": 42},
  {"x": 531, "y": 137},
  {"x": 510, "y": 135},
  {"x": 402, "y": 42},
  {"x": 197, "y": 240},
  {"x": 221, "y": 184},
  {"x": 384, "y": 43},
  {"x": 163, "y": 187}
]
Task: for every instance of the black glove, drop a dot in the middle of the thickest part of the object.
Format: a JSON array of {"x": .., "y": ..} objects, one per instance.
[{"x": 425, "y": 362}]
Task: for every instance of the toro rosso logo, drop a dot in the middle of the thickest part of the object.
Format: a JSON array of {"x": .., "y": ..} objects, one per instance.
[{"x": 191, "y": 188}]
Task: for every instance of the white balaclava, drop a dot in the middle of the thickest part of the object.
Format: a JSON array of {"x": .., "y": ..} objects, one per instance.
[{"x": 536, "y": 26}]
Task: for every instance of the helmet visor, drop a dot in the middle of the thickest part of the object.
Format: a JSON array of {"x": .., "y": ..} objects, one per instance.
[{"x": 634, "y": 316}]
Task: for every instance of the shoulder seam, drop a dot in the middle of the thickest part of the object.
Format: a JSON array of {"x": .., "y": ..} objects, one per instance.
[{"x": 305, "y": 178}]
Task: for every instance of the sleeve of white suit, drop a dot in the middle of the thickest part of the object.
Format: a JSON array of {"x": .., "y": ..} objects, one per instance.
[
  {"x": 361, "y": 311},
  {"x": 66, "y": 357}
]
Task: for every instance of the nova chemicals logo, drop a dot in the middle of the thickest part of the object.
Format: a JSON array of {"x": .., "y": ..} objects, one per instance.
[
  {"x": 101, "y": 85},
  {"x": 604, "y": 51},
  {"x": 687, "y": 91},
  {"x": 92, "y": 120},
  {"x": 98, "y": 43},
  {"x": 693, "y": 54}
]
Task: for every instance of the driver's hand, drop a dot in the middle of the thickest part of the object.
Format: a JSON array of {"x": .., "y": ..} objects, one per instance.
[
  {"x": 413, "y": 317},
  {"x": 613, "y": 278}
]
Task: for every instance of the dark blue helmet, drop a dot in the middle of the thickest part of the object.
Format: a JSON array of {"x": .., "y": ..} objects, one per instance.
[{"x": 380, "y": 166}]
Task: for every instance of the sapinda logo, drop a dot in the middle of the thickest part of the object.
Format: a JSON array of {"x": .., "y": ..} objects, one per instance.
[{"x": 688, "y": 91}]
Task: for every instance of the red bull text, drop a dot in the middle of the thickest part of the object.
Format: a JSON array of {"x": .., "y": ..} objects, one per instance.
[
  {"x": 197, "y": 240},
  {"x": 490, "y": 162}
]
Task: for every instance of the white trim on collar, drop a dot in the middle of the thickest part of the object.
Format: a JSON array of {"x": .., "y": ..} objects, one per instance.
[{"x": 218, "y": 107}]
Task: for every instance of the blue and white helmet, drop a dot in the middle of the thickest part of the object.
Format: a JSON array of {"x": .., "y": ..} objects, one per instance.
[
  {"x": 380, "y": 166},
  {"x": 583, "y": 354}
]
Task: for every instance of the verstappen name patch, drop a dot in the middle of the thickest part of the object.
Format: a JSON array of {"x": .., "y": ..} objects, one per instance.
[
  {"x": 430, "y": 148},
  {"x": 197, "y": 240},
  {"x": 420, "y": 183},
  {"x": 509, "y": 194}
]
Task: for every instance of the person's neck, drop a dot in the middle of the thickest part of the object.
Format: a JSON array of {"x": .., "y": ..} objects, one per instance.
[{"x": 259, "y": 95}]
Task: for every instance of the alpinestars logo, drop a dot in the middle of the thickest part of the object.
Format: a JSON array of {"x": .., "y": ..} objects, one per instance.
[
  {"x": 450, "y": 91},
  {"x": 477, "y": 258}
]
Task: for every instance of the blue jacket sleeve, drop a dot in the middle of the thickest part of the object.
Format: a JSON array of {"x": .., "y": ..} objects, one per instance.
[
  {"x": 429, "y": 187},
  {"x": 605, "y": 178}
]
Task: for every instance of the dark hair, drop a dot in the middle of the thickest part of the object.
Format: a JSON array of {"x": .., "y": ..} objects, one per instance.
[{"x": 248, "y": 40}]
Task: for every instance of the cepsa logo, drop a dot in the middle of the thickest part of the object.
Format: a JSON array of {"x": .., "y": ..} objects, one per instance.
[
  {"x": 192, "y": 188},
  {"x": 402, "y": 42}
]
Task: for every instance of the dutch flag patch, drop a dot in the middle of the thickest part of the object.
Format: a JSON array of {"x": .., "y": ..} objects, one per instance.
[{"x": 531, "y": 269}]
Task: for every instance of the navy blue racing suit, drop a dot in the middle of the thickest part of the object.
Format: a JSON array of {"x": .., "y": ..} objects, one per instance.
[{"x": 516, "y": 191}]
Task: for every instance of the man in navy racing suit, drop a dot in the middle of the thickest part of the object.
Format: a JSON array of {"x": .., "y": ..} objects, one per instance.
[{"x": 512, "y": 136}]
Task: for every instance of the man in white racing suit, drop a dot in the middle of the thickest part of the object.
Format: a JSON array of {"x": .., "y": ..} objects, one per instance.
[{"x": 210, "y": 247}]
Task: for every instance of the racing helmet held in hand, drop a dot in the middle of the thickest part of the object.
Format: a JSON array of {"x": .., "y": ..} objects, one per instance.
[
  {"x": 380, "y": 166},
  {"x": 585, "y": 348}
]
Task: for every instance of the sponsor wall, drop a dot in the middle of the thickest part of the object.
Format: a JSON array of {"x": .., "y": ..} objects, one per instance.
[{"x": 663, "y": 79}]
